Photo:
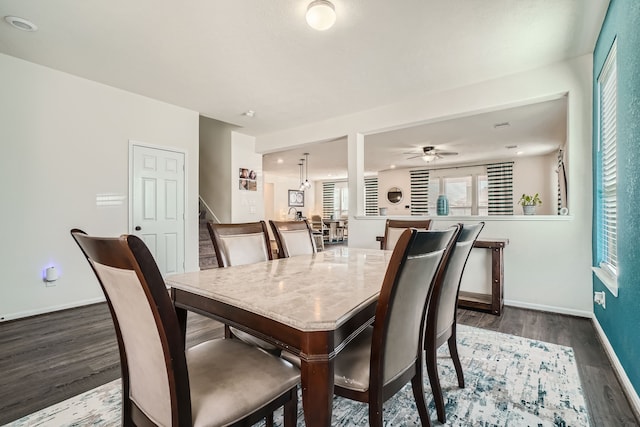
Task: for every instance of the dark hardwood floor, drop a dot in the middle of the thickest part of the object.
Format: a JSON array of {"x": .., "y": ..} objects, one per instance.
[{"x": 49, "y": 358}]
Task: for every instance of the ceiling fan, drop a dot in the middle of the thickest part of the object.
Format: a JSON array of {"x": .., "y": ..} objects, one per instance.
[{"x": 430, "y": 153}]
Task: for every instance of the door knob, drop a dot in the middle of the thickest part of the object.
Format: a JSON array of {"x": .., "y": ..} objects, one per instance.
[{"x": 138, "y": 228}]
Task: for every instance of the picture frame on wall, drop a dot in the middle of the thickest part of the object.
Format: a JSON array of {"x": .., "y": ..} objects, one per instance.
[
  {"x": 296, "y": 198},
  {"x": 248, "y": 180}
]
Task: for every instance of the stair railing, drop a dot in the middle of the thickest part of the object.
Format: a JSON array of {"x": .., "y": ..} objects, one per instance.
[{"x": 209, "y": 211}]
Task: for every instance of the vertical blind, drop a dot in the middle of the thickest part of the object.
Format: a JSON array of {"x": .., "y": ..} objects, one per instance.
[
  {"x": 328, "y": 188},
  {"x": 500, "y": 177},
  {"x": 419, "y": 192},
  {"x": 562, "y": 182},
  {"x": 608, "y": 204},
  {"x": 371, "y": 196}
]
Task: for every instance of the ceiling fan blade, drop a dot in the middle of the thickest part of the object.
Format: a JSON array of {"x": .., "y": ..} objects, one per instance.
[
  {"x": 415, "y": 156},
  {"x": 446, "y": 153}
]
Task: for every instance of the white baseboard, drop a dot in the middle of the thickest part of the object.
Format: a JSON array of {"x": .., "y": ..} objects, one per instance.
[
  {"x": 549, "y": 308},
  {"x": 22, "y": 314},
  {"x": 627, "y": 387}
]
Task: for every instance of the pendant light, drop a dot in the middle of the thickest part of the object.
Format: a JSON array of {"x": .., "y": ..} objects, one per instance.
[
  {"x": 301, "y": 188},
  {"x": 307, "y": 184}
]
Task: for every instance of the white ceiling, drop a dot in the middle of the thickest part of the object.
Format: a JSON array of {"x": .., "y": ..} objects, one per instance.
[
  {"x": 222, "y": 58},
  {"x": 534, "y": 129}
]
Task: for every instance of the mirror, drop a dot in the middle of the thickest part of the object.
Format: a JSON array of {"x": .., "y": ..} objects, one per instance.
[{"x": 394, "y": 195}]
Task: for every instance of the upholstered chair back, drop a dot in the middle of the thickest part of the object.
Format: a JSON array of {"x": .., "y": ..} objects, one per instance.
[
  {"x": 394, "y": 228},
  {"x": 240, "y": 244},
  {"x": 445, "y": 298},
  {"x": 293, "y": 238},
  {"x": 142, "y": 312},
  {"x": 404, "y": 297}
]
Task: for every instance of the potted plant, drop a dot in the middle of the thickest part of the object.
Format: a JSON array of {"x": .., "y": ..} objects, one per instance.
[{"x": 529, "y": 203}]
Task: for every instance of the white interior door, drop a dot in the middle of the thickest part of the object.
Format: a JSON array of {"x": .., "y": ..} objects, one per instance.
[{"x": 157, "y": 203}]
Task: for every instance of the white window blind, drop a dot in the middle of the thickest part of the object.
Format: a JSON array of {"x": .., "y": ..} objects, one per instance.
[
  {"x": 328, "y": 189},
  {"x": 371, "y": 195},
  {"x": 500, "y": 191},
  {"x": 608, "y": 206},
  {"x": 419, "y": 192}
]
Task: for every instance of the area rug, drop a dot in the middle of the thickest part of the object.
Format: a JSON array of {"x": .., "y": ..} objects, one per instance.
[{"x": 510, "y": 381}]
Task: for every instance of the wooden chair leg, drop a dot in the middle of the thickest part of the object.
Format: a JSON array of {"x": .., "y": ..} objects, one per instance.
[
  {"x": 417, "y": 385},
  {"x": 375, "y": 413},
  {"x": 227, "y": 332},
  {"x": 291, "y": 410},
  {"x": 269, "y": 420},
  {"x": 432, "y": 371},
  {"x": 453, "y": 350}
]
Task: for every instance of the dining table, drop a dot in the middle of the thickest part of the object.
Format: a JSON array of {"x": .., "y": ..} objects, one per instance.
[{"x": 309, "y": 305}]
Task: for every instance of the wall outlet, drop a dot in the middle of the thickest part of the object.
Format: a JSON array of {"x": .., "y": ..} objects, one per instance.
[{"x": 600, "y": 298}]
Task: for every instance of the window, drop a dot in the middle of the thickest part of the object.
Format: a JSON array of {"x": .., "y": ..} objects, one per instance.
[
  {"x": 482, "y": 182},
  {"x": 341, "y": 201},
  {"x": 335, "y": 199},
  {"x": 607, "y": 168},
  {"x": 466, "y": 189}
]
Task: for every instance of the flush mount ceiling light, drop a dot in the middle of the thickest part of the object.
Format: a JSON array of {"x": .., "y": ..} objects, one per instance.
[
  {"x": 20, "y": 23},
  {"x": 321, "y": 15},
  {"x": 249, "y": 113}
]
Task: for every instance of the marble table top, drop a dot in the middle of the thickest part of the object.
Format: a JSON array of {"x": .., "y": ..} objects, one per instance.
[{"x": 307, "y": 292}]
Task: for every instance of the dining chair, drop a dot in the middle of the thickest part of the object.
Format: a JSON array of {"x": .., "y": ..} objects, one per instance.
[
  {"x": 215, "y": 383},
  {"x": 379, "y": 361},
  {"x": 393, "y": 228},
  {"x": 293, "y": 238},
  {"x": 317, "y": 224},
  {"x": 441, "y": 313},
  {"x": 240, "y": 244}
]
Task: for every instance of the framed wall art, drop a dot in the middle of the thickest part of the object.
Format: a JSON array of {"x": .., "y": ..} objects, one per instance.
[{"x": 296, "y": 198}]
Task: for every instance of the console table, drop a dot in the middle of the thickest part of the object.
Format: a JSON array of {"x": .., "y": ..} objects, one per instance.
[{"x": 489, "y": 303}]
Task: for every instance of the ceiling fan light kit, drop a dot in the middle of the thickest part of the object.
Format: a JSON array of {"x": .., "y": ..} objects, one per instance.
[{"x": 431, "y": 153}]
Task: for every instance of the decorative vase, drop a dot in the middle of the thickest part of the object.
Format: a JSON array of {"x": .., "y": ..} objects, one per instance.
[
  {"x": 442, "y": 205},
  {"x": 529, "y": 209}
]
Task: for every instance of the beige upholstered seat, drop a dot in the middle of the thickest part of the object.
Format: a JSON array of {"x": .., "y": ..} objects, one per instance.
[
  {"x": 293, "y": 238},
  {"x": 383, "y": 358},
  {"x": 240, "y": 244},
  {"x": 216, "y": 383},
  {"x": 394, "y": 228},
  {"x": 441, "y": 313}
]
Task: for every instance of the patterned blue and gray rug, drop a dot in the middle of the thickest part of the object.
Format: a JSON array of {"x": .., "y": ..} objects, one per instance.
[{"x": 510, "y": 381}]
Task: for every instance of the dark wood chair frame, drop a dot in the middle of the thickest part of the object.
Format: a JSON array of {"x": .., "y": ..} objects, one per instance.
[
  {"x": 423, "y": 224},
  {"x": 130, "y": 253},
  {"x": 377, "y": 392},
  {"x": 216, "y": 231},
  {"x": 468, "y": 235},
  {"x": 278, "y": 226}
]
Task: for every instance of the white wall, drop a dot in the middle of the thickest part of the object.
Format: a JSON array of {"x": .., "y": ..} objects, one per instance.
[
  {"x": 281, "y": 187},
  {"x": 64, "y": 140},
  {"x": 215, "y": 167},
  {"x": 246, "y": 206},
  {"x": 401, "y": 179},
  {"x": 549, "y": 258},
  {"x": 533, "y": 175}
]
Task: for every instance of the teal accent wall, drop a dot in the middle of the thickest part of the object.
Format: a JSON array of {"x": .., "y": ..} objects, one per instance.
[{"x": 621, "y": 319}]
